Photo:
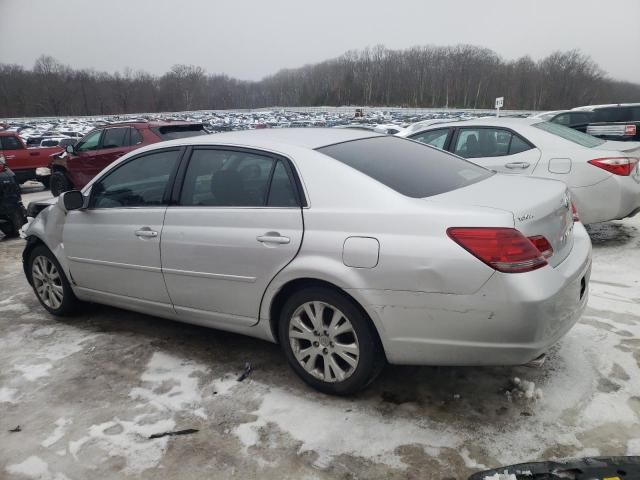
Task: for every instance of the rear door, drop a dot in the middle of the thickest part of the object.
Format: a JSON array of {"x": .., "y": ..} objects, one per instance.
[
  {"x": 498, "y": 149},
  {"x": 237, "y": 223}
]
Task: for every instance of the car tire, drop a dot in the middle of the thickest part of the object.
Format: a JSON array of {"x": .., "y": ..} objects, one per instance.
[
  {"x": 50, "y": 283},
  {"x": 344, "y": 351},
  {"x": 59, "y": 183}
]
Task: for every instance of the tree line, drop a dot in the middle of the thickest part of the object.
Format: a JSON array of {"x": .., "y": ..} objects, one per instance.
[{"x": 462, "y": 76}]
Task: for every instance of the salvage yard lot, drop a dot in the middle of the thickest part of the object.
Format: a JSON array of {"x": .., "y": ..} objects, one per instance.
[{"x": 87, "y": 393}]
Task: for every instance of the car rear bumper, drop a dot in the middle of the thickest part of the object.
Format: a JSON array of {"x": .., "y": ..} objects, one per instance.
[
  {"x": 511, "y": 320},
  {"x": 612, "y": 199}
]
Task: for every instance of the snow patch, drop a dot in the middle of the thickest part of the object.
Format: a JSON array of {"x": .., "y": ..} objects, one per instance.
[
  {"x": 36, "y": 469},
  {"x": 326, "y": 429},
  {"x": 61, "y": 427},
  {"x": 8, "y": 395},
  {"x": 33, "y": 372}
]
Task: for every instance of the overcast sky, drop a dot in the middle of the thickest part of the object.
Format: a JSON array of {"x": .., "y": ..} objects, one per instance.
[{"x": 251, "y": 39}]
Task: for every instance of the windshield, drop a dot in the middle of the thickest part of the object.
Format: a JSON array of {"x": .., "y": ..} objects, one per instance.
[
  {"x": 569, "y": 134},
  {"x": 408, "y": 167}
]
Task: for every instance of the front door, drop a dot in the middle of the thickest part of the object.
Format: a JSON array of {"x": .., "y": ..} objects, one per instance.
[
  {"x": 497, "y": 149},
  {"x": 113, "y": 246},
  {"x": 80, "y": 165},
  {"x": 238, "y": 222}
]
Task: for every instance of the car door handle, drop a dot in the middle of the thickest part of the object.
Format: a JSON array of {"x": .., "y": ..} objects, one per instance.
[
  {"x": 273, "y": 237},
  {"x": 514, "y": 165},
  {"x": 146, "y": 233},
  {"x": 34, "y": 154}
]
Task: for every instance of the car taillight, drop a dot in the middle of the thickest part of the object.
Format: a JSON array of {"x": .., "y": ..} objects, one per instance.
[
  {"x": 574, "y": 212},
  {"x": 617, "y": 165},
  {"x": 543, "y": 245},
  {"x": 630, "y": 130},
  {"x": 505, "y": 249}
]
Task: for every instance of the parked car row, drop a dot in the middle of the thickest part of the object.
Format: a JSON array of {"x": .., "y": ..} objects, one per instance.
[{"x": 603, "y": 176}]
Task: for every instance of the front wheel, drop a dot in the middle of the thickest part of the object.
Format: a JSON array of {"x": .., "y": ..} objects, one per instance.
[
  {"x": 59, "y": 183},
  {"x": 329, "y": 342},
  {"x": 50, "y": 284}
]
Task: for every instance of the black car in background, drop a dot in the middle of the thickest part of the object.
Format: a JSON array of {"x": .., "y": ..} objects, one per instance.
[
  {"x": 12, "y": 212},
  {"x": 613, "y": 122}
]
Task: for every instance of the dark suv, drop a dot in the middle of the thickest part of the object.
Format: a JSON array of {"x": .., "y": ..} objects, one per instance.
[
  {"x": 613, "y": 122},
  {"x": 75, "y": 167}
]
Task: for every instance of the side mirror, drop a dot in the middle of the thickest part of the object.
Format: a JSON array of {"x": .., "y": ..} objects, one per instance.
[
  {"x": 69, "y": 148},
  {"x": 72, "y": 200}
]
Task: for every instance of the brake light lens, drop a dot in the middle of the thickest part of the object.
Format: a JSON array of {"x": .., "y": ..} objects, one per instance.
[
  {"x": 543, "y": 245},
  {"x": 622, "y": 166},
  {"x": 505, "y": 249},
  {"x": 574, "y": 212},
  {"x": 630, "y": 130}
]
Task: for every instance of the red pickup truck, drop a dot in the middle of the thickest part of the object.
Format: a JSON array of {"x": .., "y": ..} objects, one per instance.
[{"x": 23, "y": 161}]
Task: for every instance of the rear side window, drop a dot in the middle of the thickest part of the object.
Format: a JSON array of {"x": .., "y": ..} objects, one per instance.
[
  {"x": 115, "y": 138},
  {"x": 134, "y": 136},
  {"x": 612, "y": 115},
  {"x": 488, "y": 142},
  {"x": 172, "y": 132},
  {"x": 407, "y": 167},
  {"x": 226, "y": 178},
  {"x": 569, "y": 134}
]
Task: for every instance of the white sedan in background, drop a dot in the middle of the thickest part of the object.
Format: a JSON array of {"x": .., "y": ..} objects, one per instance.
[{"x": 603, "y": 176}]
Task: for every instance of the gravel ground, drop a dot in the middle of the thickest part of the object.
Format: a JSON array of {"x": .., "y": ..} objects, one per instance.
[{"x": 88, "y": 392}]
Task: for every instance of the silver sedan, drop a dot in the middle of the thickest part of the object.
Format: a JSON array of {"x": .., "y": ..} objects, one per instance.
[
  {"x": 604, "y": 176},
  {"x": 347, "y": 247}
]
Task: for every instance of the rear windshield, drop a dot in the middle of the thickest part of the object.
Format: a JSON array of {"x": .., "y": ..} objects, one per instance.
[
  {"x": 410, "y": 168},
  {"x": 172, "y": 132},
  {"x": 569, "y": 134}
]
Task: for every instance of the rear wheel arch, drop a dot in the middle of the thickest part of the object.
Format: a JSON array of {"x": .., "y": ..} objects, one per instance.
[{"x": 293, "y": 286}]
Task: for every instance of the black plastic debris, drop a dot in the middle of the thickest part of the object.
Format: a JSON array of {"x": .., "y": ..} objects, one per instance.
[
  {"x": 187, "y": 431},
  {"x": 15, "y": 430},
  {"x": 588, "y": 468},
  {"x": 245, "y": 373}
]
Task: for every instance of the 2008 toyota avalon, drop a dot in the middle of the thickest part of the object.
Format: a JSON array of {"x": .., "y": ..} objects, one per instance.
[{"x": 347, "y": 247}]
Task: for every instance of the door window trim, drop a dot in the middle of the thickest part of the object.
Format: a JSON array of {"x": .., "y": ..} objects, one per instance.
[
  {"x": 291, "y": 172},
  {"x": 166, "y": 196},
  {"x": 456, "y": 133}
]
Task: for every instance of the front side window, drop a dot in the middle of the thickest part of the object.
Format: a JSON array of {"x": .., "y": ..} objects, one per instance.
[
  {"x": 435, "y": 138},
  {"x": 90, "y": 142},
  {"x": 409, "y": 168},
  {"x": 569, "y": 134},
  {"x": 581, "y": 118},
  {"x": 141, "y": 182},
  {"x": 115, "y": 138},
  {"x": 10, "y": 143},
  {"x": 487, "y": 142},
  {"x": 226, "y": 178}
]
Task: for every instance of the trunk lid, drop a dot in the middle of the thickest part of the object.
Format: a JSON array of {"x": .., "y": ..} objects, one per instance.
[{"x": 539, "y": 207}]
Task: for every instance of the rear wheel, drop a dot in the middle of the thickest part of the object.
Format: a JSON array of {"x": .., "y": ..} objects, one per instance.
[
  {"x": 50, "y": 284},
  {"x": 329, "y": 342},
  {"x": 59, "y": 183}
]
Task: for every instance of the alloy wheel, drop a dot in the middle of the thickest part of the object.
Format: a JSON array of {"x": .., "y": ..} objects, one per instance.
[
  {"x": 324, "y": 341},
  {"x": 47, "y": 282}
]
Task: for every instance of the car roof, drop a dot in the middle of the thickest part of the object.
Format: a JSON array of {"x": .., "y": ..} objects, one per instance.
[
  {"x": 311, "y": 138},
  {"x": 590, "y": 108},
  {"x": 506, "y": 122},
  {"x": 147, "y": 123}
]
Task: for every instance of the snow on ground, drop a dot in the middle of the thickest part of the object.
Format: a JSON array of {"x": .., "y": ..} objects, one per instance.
[{"x": 88, "y": 393}]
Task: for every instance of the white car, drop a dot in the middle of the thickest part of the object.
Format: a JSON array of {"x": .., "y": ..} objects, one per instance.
[{"x": 603, "y": 176}]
